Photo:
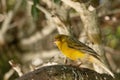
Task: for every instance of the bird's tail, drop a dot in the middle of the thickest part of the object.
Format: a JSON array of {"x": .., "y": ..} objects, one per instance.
[{"x": 100, "y": 64}]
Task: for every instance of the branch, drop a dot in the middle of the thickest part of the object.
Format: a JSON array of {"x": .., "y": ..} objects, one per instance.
[{"x": 64, "y": 72}]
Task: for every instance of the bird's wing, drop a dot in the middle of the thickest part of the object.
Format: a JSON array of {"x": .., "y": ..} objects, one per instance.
[{"x": 75, "y": 44}]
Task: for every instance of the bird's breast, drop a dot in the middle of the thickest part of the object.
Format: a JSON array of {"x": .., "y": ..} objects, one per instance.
[{"x": 71, "y": 53}]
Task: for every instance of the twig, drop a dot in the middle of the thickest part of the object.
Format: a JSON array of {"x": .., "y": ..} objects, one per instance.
[
  {"x": 8, "y": 74},
  {"x": 16, "y": 67}
]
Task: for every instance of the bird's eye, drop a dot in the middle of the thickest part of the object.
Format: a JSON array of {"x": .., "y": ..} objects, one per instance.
[{"x": 63, "y": 40}]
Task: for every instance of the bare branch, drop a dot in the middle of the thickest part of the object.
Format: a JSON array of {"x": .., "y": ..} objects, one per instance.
[
  {"x": 8, "y": 74},
  {"x": 64, "y": 72},
  {"x": 16, "y": 67}
]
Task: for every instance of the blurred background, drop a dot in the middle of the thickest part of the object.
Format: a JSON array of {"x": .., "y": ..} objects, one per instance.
[{"x": 27, "y": 32}]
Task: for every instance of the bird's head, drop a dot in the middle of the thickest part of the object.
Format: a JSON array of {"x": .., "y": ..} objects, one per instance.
[{"x": 60, "y": 38}]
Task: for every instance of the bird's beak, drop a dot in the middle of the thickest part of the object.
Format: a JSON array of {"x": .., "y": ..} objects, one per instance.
[{"x": 56, "y": 41}]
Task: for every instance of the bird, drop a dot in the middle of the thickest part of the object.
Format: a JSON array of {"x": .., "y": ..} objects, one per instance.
[{"x": 76, "y": 50}]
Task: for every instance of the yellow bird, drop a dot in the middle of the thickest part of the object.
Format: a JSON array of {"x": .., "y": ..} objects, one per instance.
[{"x": 76, "y": 50}]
